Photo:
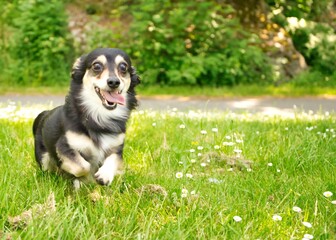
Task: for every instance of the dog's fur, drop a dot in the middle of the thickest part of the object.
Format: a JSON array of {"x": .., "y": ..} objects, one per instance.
[{"x": 84, "y": 138}]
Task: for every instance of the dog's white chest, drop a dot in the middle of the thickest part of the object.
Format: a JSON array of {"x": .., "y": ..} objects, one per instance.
[
  {"x": 84, "y": 144},
  {"x": 110, "y": 141}
]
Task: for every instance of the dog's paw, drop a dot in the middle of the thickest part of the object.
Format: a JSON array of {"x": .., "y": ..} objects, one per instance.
[
  {"x": 106, "y": 173},
  {"x": 104, "y": 176}
]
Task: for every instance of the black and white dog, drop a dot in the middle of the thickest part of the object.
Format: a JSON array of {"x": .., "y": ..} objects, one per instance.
[{"x": 84, "y": 138}]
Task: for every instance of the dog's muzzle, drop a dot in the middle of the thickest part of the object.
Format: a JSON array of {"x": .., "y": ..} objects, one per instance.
[{"x": 110, "y": 100}]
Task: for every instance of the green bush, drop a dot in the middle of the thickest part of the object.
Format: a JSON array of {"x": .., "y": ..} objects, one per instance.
[
  {"x": 313, "y": 79},
  {"x": 310, "y": 24},
  {"x": 317, "y": 43},
  {"x": 41, "y": 49},
  {"x": 187, "y": 43}
]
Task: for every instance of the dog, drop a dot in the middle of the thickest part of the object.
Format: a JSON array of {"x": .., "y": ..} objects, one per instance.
[{"x": 84, "y": 138}]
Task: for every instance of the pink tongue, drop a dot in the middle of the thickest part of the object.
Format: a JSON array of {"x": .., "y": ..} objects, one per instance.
[{"x": 113, "y": 97}]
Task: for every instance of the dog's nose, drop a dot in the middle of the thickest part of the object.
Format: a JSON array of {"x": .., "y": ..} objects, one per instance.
[{"x": 113, "y": 82}]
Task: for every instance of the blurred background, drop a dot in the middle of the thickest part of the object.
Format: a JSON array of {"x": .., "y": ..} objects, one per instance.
[{"x": 211, "y": 43}]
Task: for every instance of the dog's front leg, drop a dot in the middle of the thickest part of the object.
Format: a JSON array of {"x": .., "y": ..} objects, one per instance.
[
  {"x": 106, "y": 173},
  {"x": 71, "y": 160}
]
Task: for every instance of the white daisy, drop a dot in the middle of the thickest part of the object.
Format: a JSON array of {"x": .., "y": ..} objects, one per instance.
[
  {"x": 297, "y": 209},
  {"x": 184, "y": 191},
  {"x": 237, "y": 219},
  {"x": 277, "y": 217},
  {"x": 308, "y": 236},
  {"x": 228, "y": 143},
  {"x": 183, "y": 195},
  {"x": 179, "y": 175},
  {"x": 307, "y": 224},
  {"x": 327, "y": 194}
]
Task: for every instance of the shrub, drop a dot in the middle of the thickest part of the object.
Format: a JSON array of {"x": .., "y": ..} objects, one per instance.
[
  {"x": 314, "y": 79},
  {"x": 317, "y": 43},
  {"x": 187, "y": 43},
  {"x": 310, "y": 24},
  {"x": 42, "y": 48}
]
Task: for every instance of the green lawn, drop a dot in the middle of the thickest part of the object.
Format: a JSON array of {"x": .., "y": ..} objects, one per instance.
[
  {"x": 285, "y": 90},
  {"x": 188, "y": 176}
]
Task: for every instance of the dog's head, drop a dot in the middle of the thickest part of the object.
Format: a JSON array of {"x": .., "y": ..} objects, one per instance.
[{"x": 108, "y": 74}]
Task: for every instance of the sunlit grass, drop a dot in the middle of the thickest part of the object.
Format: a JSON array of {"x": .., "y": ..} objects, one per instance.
[
  {"x": 36, "y": 90},
  {"x": 285, "y": 90},
  {"x": 188, "y": 175}
]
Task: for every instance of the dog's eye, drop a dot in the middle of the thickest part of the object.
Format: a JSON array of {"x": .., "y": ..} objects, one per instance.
[
  {"x": 123, "y": 68},
  {"x": 97, "y": 67}
]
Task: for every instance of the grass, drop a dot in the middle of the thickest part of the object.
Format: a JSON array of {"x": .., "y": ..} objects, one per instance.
[
  {"x": 285, "y": 90},
  {"x": 251, "y": 166}
]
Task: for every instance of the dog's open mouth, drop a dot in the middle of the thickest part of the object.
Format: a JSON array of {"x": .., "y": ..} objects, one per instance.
[{"x": 110, "y": 100}]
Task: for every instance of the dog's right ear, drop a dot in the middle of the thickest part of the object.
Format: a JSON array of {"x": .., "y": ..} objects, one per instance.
[{"x": 79, "y": 69}]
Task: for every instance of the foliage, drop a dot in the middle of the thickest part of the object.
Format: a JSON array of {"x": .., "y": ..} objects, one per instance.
[
  {"x": 182, "y": 43},
  {"x": 171, "y": 42},
  {"x": 41, "y": 49},
  {"x": 101, "y": 36},
  {"x": 321, "y": 48},
  {"x": 312, "y": 35},
  {"x": 314, "y": 79},
  {"x": 5, "y": 37},
  {"x": 307, "y": 9},
  {"x": 317, "y": 43}
]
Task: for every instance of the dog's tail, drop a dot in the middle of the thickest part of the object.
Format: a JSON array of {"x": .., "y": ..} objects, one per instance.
[{"x": 38, "y": 120}]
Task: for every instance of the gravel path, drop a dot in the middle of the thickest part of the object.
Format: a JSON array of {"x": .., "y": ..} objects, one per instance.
[{"x": 267, "y": 105}]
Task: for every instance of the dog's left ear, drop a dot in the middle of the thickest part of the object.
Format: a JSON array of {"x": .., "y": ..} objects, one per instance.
[{"x": 135, "y": 79}]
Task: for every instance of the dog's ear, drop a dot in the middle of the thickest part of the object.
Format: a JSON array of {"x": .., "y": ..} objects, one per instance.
[
  {"x": 135, "y": 79},
  {"x": 79, "y": 69}
]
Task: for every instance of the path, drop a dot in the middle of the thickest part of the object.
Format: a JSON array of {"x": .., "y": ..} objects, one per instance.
[{"x": 268, "y": 105}]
